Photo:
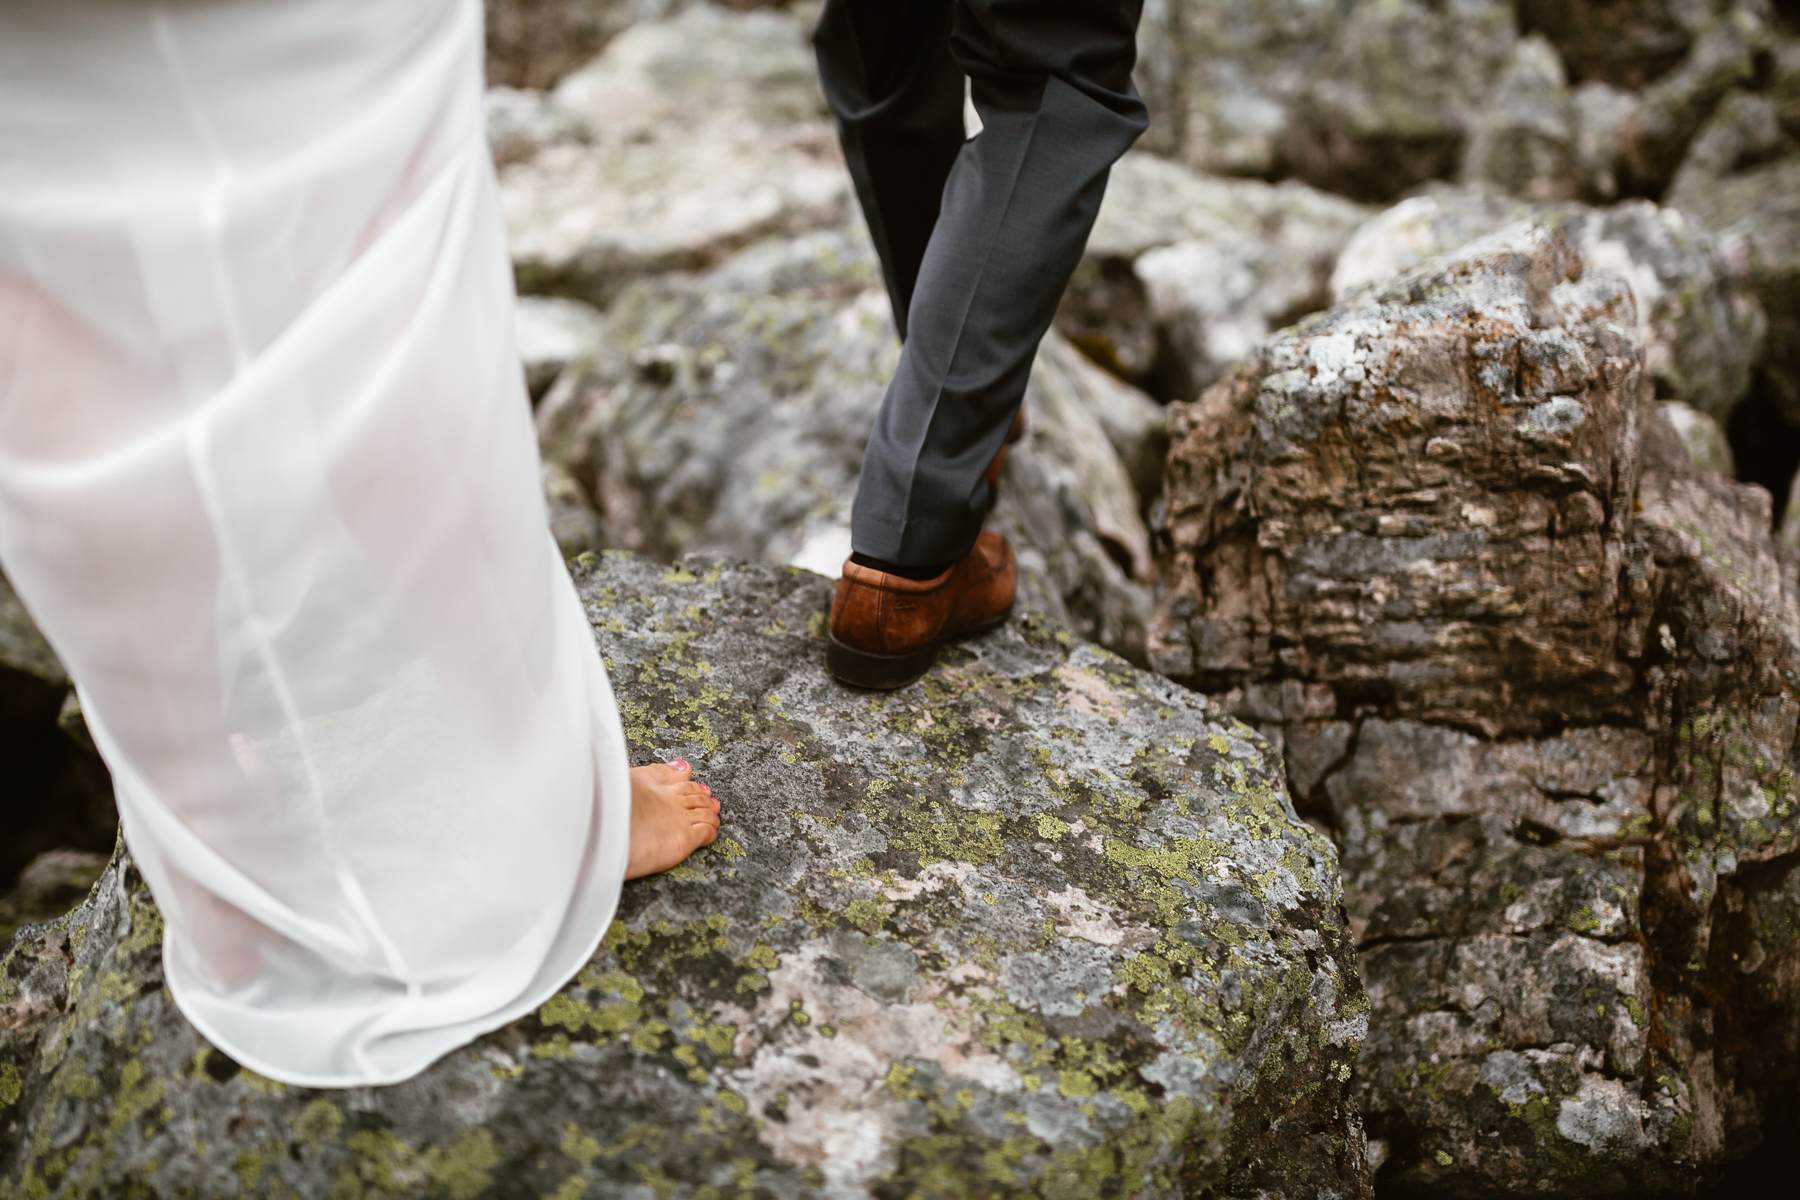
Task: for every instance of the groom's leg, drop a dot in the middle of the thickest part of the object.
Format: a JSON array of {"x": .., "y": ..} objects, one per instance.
[
  {"x": 898, "y": 99},
  {"x": 1051, "y": 80}
]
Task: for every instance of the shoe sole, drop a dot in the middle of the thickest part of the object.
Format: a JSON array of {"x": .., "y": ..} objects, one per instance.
[{"x": 890, "y": 672}]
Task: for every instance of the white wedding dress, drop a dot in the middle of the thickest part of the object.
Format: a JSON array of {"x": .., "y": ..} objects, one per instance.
[{"x": 269, "y": 484}]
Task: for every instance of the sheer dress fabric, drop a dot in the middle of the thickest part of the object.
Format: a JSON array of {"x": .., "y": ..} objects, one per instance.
[{"x": 269, "y": 484}]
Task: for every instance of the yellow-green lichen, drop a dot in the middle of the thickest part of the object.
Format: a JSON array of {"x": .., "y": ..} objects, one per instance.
[
  {"x": 578, "y": 1145},
  {"x": 319, "y": 1123}
]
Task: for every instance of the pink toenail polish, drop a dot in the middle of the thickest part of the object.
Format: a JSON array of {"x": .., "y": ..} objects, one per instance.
[{"x": 679, "y": 764}]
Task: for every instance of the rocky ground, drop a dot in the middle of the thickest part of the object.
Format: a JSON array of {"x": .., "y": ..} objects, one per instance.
[
  {"x": 1041, "y": 924},
  {"x": 1428, "y": 400}
]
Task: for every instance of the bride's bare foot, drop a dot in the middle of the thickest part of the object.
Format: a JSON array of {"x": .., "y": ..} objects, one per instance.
[{"x": 671, "y": 817}]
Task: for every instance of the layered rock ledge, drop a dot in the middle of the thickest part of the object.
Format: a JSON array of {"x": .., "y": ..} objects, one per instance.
[
  {"x": 1041, "y": 925},
  {"x": 1541, "y": 675}
]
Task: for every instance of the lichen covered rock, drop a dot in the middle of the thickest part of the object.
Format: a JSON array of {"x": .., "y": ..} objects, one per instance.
[
  {"x": 1039, "y": 925},
  {"x": 1541, "y": 676}
]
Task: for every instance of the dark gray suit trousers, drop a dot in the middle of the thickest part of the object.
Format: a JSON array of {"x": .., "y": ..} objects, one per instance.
[{"x": 977, "y": 238}]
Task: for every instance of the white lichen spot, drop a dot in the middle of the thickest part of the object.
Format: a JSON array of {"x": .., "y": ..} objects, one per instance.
[{"x": 1604, "y": 1115}]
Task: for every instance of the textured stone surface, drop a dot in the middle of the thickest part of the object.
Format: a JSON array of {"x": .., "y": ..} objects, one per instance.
[
  {"x": 1698, "y": 319},
  {"x": 1758, "y": 213},
  {"x": 730, "y": 411},
  {"x": 1185, "y": 272},
  {"x": 1627, "y": 43},
  {"x": 1349, "y": 436},
  {"x": 1522, "y": 140},
  {"x": 1701, "y": 436},
  {"x": 701, "y": 133},
  {"x": 553, "y": 333},
  {"x": 1223, "y": 84},
  {"x": 50, "y": 885},
  {"x": 1389, "y": 103},
  {"x": 533, "y": 43},
  {"x": 1676, "y": 106},
  {"x": 1038, "y": 925},
  {"x": 1541, "y": 676},
  {"x": 1742, "y": 132},
  {"x": 1603, "y": 120},
  {"x": 520, "y": 122}
]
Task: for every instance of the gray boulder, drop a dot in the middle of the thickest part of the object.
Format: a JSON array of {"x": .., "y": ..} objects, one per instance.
[
  {"x": 1743, "y": 131},
  {"x": 1523, "y": 140},
  {"x": 553, "y": 333},
  {"x": 699, "y": 134},
  {"x": 1390, "y": 102},
  {"x": 1604, "y": 116},
  {"x": 1697, "y": 315},
  {"x": 1035, "y": 926},
  {"x": 1482, "y": 378},
  {"x": 1757, "y": 213},
  {"x": 1185, "y": 273},
  {"x": 520, "y": 122},
  {"x": 1671, "y": 111},
  {"x": 1223, "y": 83},
  {"x": 1702, "y": 437},
  {"x": 534, "y": 43},
  {"x": 1631, "y": 139},
  {"x": 729, "y": 413},
  {"x": 1627, "y": 43},
  {"x": 1541, "y": 676},
  {"x": 49, "y": 886}
]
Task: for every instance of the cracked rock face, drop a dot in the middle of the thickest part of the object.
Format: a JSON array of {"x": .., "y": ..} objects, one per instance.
[
  {"x": 1044, "y": 922},
  {"x": 1698, "y": 318},
  {"x": 728, "y": 415},
  {"x": 1541, "y": 675}
]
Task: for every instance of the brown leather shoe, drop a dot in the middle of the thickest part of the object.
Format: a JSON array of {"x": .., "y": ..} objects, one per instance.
[{"x": 886, "y": 629}]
